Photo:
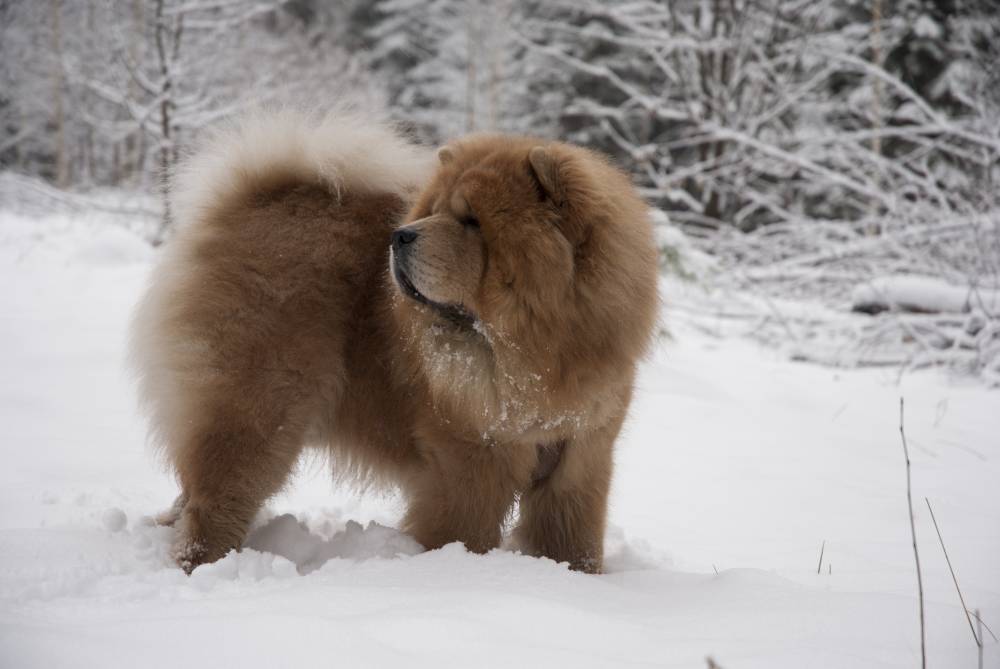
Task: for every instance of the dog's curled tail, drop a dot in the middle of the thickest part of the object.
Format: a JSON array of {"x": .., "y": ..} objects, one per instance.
[{"x": 264, "y": 149}]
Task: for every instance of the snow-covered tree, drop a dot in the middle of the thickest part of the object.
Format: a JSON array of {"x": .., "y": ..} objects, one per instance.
[
  {"x": 453, "y": 67},
  {"x": 110, "y": 92}
]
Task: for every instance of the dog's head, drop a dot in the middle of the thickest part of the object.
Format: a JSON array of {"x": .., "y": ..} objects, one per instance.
[
  {"x": 488, "y": 231},
  {"x": 526, "y": 273}
]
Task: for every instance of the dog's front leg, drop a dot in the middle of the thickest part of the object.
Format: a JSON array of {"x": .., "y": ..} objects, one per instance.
[
  {"x": 563, "y": 514},
  {"x": 464, "y": 492}
]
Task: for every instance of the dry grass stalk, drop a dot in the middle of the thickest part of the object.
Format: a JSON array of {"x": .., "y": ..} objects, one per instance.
[{"x": 913, "y": 535}]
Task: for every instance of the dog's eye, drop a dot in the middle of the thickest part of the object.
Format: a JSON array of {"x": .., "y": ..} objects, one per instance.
[{"x": 470, "y": 222}]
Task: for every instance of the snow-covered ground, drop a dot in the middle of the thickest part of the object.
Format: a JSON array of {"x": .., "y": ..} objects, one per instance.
[{"x": 734, "y": 469}]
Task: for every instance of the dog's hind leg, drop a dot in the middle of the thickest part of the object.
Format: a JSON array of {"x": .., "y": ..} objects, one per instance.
[{"x": 242, "y": 455}]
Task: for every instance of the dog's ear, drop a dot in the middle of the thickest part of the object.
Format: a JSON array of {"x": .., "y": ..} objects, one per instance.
[
  {"x": 545, "y": 167},
  {"x": 445, "y": 155}
]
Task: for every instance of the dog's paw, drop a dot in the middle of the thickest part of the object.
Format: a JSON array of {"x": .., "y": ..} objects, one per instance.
[
  {"x": 191, "y": 549},
  {"x": 188, "y": 554},
  {"x": 200, "y": 541}
]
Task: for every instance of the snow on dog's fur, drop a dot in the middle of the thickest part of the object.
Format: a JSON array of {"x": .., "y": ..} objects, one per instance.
[{"x": 492, "y": 362}]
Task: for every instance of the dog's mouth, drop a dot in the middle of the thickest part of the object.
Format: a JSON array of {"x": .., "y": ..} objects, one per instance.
[
  {"x": 407, "y": 287},
  {"x": 453, "y": 313}
]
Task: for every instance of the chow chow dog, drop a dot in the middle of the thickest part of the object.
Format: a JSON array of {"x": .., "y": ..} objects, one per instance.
[{"x": 465, "y": 326}]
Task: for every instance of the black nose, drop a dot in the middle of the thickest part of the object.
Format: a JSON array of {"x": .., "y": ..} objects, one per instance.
[{"x": 402, "y": 237}]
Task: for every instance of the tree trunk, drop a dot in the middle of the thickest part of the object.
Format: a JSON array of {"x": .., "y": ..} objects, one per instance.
[
  {"x": 166, "y": 107},
  {"x": 873, "y": 228},
  {"x": 58, "y": 86},
  {"x": 133, "y": 158},
  {"x": 470, "y": 81}
]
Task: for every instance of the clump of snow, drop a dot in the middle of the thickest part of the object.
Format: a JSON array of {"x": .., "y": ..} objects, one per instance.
[
  {"x": 243, "y": 565},
  {"x": 927, "y": 27},
  {"x": 286, "y": 536},
  {"x": 922, "y": 294},
  {"x": 114, "y": 520},
  {"x": 678, "y": 254}
]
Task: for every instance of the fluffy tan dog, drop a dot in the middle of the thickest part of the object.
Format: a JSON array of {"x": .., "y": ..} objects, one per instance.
[{"x": 477, "y": 352}]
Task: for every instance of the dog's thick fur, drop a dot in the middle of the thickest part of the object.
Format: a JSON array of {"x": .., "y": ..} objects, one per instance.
[{"x": 493, "y": 362}]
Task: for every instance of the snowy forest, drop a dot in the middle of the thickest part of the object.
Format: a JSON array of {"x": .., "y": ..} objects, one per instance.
[
  {"x": 824, "y": 181},
  {"x": 842, "y": 154}
]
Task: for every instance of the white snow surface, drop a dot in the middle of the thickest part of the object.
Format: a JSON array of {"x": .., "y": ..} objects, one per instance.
[{"x": 733, "y": 469}]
